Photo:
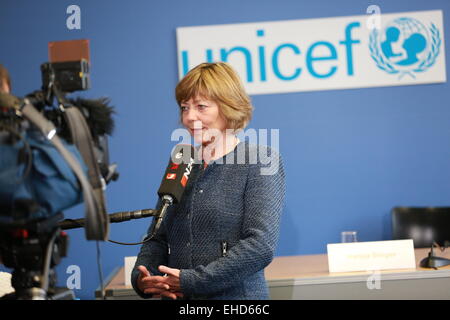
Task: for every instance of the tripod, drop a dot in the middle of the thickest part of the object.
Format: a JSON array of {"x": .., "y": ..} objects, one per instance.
[{"x": 32, "y": 250}]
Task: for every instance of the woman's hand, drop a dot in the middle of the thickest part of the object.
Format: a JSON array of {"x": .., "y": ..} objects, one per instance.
[
  {"x": 158, "y": 286},
  {"x": 172, "y": 278}
]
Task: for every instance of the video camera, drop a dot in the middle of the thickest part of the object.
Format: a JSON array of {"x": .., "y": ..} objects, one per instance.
[{"x": 42, "y": 175}]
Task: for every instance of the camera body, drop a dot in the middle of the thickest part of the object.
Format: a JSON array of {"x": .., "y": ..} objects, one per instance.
[
  {"x": 68, "y": 76},
  {"x": 33, "y": 244}
]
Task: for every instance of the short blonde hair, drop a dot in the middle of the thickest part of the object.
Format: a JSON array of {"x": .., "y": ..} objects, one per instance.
[{"x": 219, "y": 82}]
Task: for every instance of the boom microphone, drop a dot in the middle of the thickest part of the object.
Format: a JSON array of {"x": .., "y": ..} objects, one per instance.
[{"x": 174, "y": 181}]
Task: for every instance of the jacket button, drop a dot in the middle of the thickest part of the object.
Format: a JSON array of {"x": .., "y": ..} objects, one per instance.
[{"x": 200, "y": 191}]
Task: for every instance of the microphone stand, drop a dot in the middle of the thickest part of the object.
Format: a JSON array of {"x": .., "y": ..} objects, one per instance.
[
  {"x": 167, "y": 201},
  {"x": 433, "y": 261},
  {"x": 113, "y": 218}
]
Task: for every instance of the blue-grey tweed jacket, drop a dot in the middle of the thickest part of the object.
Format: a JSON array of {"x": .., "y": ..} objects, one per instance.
[{"x": 225, "y": 230}]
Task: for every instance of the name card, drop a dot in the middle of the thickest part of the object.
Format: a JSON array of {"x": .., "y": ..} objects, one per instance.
[
  {"x": 128, "y": 268},
  {"x": 369, "y": 256}
]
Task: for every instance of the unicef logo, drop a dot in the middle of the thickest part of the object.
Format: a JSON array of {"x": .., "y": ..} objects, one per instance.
[{"x": 405, "y": 46}]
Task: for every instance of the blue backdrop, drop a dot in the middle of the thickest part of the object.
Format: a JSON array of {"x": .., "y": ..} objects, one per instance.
[{"x": 350, "y": 155}]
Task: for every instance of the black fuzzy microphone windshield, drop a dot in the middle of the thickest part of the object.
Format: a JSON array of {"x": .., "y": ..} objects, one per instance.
[{"x": 98, "y": 114}]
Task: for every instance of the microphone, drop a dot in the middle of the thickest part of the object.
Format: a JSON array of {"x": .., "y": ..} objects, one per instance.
[
  {"x": 174, "y": 181},
  {"x": 117, "y": 217}
]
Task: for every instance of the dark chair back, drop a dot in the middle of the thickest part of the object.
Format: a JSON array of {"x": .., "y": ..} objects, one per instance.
[{"x": 423, "y": 225}]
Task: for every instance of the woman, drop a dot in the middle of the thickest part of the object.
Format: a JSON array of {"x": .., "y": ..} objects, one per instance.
[{"x": 217, "y": 241}]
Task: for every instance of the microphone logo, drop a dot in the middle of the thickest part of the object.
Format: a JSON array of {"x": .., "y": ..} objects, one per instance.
[
  {"x": 179, "y": 169},
  {"x": 179, "y": 155},
  {"x": 171, "y": 176},
  {"x": 187, "y": 172}
]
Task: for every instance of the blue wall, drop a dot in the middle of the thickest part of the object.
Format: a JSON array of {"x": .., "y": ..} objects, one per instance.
[{"x": 350, "y": 155}]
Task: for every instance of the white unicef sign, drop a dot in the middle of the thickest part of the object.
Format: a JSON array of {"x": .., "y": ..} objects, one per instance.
[{"x": 323, "y": 54}]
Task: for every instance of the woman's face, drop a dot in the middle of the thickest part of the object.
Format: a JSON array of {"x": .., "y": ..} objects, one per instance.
[{"x": 202, "y": 118}]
